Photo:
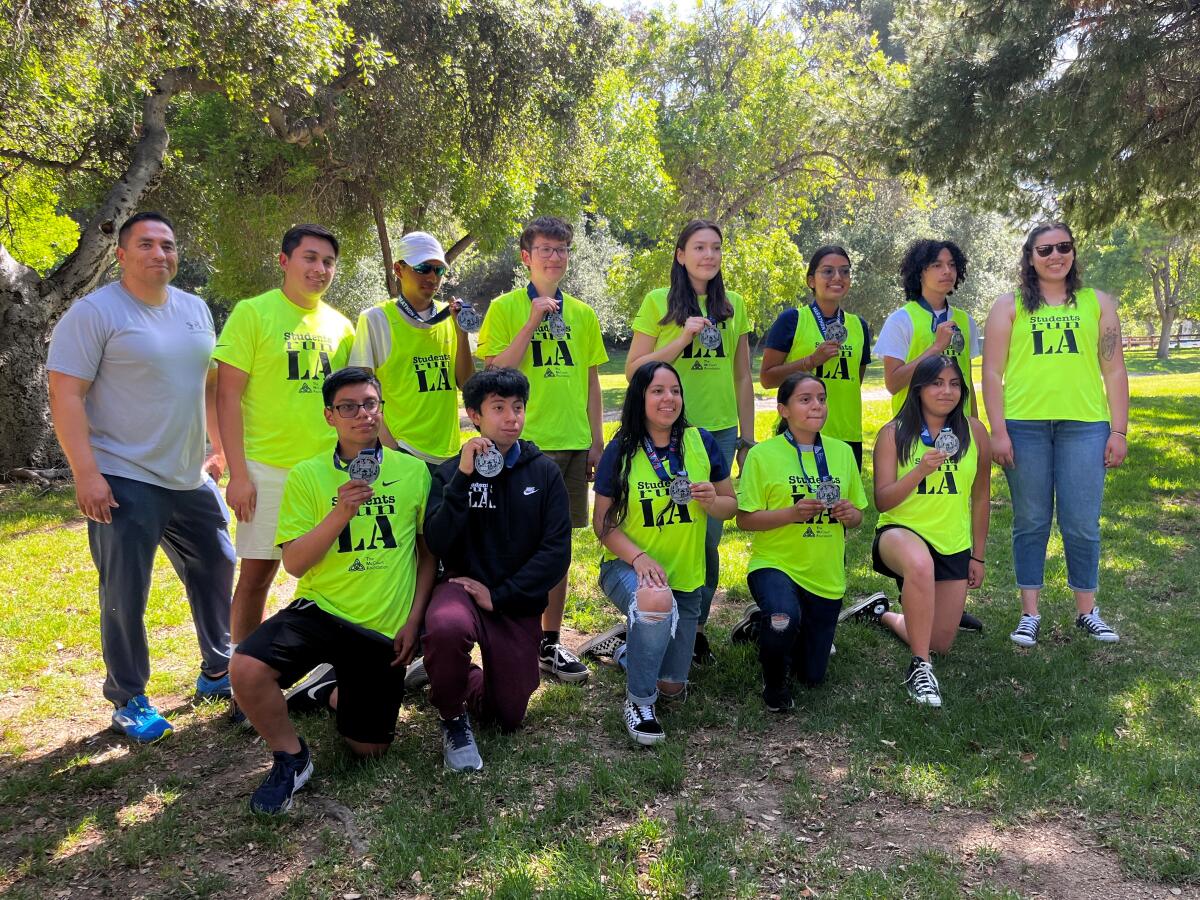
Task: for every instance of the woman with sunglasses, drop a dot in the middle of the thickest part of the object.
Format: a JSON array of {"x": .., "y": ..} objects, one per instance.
[
  {"x": 699, "y": 323},
  {"x": 933, "y": 494},
  {"x": 828, "y": 342},
  {"x": 797, "y": 572},
  {"x": 1057, "y": 396},
  {"x": 659, "y": 482}
]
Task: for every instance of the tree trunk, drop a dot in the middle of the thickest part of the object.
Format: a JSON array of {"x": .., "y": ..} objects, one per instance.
[{"x": 1166, "y": 323}]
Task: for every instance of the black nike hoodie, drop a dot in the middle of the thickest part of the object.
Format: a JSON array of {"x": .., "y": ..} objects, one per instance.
[{"x": 511, "y": 532}]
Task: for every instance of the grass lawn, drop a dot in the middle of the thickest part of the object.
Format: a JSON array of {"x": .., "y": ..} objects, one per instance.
[{"x": 1069, "y": 770}]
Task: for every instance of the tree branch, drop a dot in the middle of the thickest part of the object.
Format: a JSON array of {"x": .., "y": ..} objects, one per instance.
[
  {"x": 385, "y": 245},
  {"x": 305, "y": 130},
  {"x": 459, "y": 246},
  {"x": 76, "y": 165}
]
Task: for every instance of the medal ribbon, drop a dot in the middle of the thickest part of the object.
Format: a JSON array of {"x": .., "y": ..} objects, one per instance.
[
  {"x": 938, "y": 318},
  {"x": 818, "y": 453},
  {"x": 821, "y": 320},
  {"x": 533, "y": 295},
  {"x": 656, "y": 461},
  {"x": 337, "y": 462},
  {"x": 407, "y": 309}
]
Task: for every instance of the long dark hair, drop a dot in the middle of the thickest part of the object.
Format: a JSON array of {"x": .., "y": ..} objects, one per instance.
[
  {"x": 681, "y": 298},
  {"x": 910, "y": 420},
  {"x": 631, "y": 435},
  {"x": 1031, "y": 288},
  {"x": 784, "y": 394},
  {"x": 923, "y": 253},
  {"x": 815, "y": 260}
]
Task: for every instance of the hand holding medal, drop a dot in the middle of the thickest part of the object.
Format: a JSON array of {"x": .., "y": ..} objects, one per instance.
[
  {"x": 469, "y": 319},
  {"x": 828, "y": 492},
  {"x": 364, "y": 467},
  {"x": 958, "y": 343},
  {"x": 680, "y": 489},
  {"x": 480, "y": 456},
  {"x": 947, "y": 442}
]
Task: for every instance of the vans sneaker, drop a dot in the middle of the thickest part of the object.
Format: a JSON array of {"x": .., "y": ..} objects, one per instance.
[
  {"x": 641, "y": 724},
  {"x": 561, "y": 664},
  {"x": 605, "y": 644}
]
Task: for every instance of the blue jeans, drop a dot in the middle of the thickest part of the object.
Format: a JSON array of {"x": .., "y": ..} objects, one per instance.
[
  {"x": 1061, "y": 462},
  {"x": 796, "y": 628},
  {"x": 726, "y": 439},
  {"x": 654, "y": 650}
]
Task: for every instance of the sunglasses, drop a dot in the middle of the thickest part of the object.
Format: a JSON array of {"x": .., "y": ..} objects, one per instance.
[
  {"x": 1063, "y": 247},
  {"x": 426, "y": 268}
]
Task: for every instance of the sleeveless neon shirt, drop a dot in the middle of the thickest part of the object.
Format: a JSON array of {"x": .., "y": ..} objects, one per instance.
[{"x": 939, "y": 509}]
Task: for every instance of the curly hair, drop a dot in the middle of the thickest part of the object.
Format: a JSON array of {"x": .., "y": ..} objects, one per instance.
[
  {"x": 920, "y": 255},
  {"x": 1031, "y": 287}
]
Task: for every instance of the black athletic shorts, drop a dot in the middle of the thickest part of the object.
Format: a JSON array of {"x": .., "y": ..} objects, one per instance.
[
  {"x": 951, "y": 567},
  {"x": 301, "y": 636}
]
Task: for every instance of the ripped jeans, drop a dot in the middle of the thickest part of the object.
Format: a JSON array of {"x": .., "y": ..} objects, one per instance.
[
  {"x": 658, "y": 645},
  {"x": 796, "y": 629}
]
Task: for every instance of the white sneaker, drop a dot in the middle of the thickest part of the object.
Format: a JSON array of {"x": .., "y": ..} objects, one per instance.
[
  {"x": 1096, "y": 627},
  {"x": 1026, "y": 632},
  {"x": 641, "y": 724}
]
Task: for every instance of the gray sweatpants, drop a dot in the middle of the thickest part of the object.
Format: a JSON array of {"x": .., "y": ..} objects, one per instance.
[{"x": 192, "y": 528}]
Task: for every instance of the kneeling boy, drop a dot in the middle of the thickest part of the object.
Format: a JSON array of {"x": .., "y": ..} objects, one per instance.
[
  {"x": 500, "y": 522},
  {"x": 365, "y": 576}
]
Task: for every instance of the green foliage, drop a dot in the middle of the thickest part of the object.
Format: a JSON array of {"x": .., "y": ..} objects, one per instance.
[{"x": 34, "y": 231}]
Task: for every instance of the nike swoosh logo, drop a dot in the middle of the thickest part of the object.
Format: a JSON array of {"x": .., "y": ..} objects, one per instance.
[
  {"x": 530, "y": 490},
  {"x": 312, "y": 691},
  {"x": 390, "y": 483}
]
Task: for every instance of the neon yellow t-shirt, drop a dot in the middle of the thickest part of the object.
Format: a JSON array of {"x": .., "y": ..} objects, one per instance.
[
  {"x": 810, "y": 553},
  {"x": 706, "y": 375},
  {"x": 672, "y": 535},
  {"x": 557, "y": 369},
  {"x": 420, "y": 390},
  {"x": 923, "y": 337},
  {"x": 369, "y": 574},
  {"x": 939, "y": 510},
  {"x": 1053, "y": 365},
  {"x": 287, "y": 351},
  {"x": 843, "y": 383}
]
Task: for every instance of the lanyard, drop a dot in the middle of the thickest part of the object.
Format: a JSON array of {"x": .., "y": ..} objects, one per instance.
[
  {"x": 337, "y": 462},
  {"x": 656, "y": 461},
  {"x": 822, "y": 322},
  {"x": 818, "y": 452},
  {"x": 407, "y": 309},
  {"x": 533, "y": 295},
  {"x": 943, "y": 316}
]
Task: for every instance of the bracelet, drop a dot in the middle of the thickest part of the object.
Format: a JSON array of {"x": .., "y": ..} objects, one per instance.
[
  {"x": 978, "y": 560},
  {"x": 743, "y": 444},
  {"x": 636, "y": 558},
  {"x": 1121, "y": 433}
]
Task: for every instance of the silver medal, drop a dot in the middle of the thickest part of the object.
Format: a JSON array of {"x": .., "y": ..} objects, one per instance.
[
  {"x": 828, "y": 492},
  {"x": 946, "y": 441},
  {"x": 469, "y": 319},
  {"x": 680, "y": 489},
  {"x": 836, "y": 331},
  {"x": 557, "y": 325},
  {"x": 710, "y": 337},
  {"x": 364, "y": 467},
  {"x": 489, "y": 462},
  {"x": 958, "y": 343}
]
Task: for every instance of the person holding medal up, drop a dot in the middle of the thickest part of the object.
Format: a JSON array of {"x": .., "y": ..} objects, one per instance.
[
  {"x": 420, "y": 352},
  {"x": 799, "y": 492},
  {"x": 499, "y": 520},
  {"x": 701, "y": 328},
  {"x": 555, "y": 340},
  {"x": 826, "y": 341},
  {"x": 933, "y": 491},
  {"x": 350, "y": 526},
  {"x": 658, "y": 483}
]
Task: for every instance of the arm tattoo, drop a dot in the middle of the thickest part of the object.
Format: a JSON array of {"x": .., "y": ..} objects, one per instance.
[{"x": 1108, "y": 344}]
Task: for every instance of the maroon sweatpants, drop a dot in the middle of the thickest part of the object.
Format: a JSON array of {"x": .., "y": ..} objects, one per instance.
[{"x": 500, "y": 691}]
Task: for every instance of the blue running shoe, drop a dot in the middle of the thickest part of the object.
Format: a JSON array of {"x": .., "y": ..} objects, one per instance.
[
  {"x": 141, "y": 721},
  {"x": 289, "y": 773},
  {"x": 213, "y": 688}
]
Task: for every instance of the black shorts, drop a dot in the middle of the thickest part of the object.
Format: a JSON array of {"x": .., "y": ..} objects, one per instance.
[
  {"x": 946, "y": 567},
  {"x": 856, "y": 448},
  {"x": 302, "y": 636}
]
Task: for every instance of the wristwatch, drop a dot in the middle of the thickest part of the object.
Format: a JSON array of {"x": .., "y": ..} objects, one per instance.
[{"x": 743, "y": 444}]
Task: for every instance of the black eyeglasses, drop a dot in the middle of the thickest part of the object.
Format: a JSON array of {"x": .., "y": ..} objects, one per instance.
[
  {"x": 1063, "y": 247},
  {"x": 426, "y": 268},
  {"x": 350, "y": 410}
]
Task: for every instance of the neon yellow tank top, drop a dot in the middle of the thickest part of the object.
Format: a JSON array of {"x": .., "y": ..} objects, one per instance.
[
  {"x": 673, "y": 535},
  {"x": 843, "y": 386},
  {"x": 1053, "y": 366},
  {"x": 922, "y": 338},
  {"x": 939, "y": 510}
]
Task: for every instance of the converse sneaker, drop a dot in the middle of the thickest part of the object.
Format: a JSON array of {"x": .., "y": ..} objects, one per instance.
[
  {"x": 1026, "y": 632},
  {"x": 459, "y": 750},
  {"x": 312, "y": 694},
  {"x": 702, "y": 654},
  {"x": 605, "y": 644},
  {"x": 921, "y": 683},
  {"x": 1096, "y": 626},
  {"x": 746, "y": 631},
  {"x": 778, "y": 699},
  {"x": 868, "y": 609},
  {"x": 641, "y": 724},
  {"x": 289, "y": 773},
  {"x": 561, "y": 664},
  {"x": 139, "y": 720}
]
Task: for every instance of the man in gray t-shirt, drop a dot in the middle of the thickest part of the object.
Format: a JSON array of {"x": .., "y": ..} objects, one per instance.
[{"x": 130, "y": 369}]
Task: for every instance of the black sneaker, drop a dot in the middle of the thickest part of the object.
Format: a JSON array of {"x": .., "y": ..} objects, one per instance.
[
  {"x": 968, "y": 622},
  {"x": 921, "y": 683},
  {"x": 605, "y": 644},
  {"x": 868, "y": 609},
  {"x": 415, "y": 676},
  {"x": 702, "y": 654},
  {"x": 778, "y": 699},
  {"x": 236, "y": 717},
  {"x": 1096, "y": 627},
  {"x": 746, "y": 630},
  {"x": 641, "y": 724},
  {"x": 288, "y": 774},
  {"x": 1026, "y": 632},
  {"x": 312, "y": 694},
  {"x": 561, "y": 664}
]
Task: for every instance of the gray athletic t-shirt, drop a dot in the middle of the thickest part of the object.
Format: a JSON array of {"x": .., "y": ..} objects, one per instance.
[{"x": 147, "y": 366}]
